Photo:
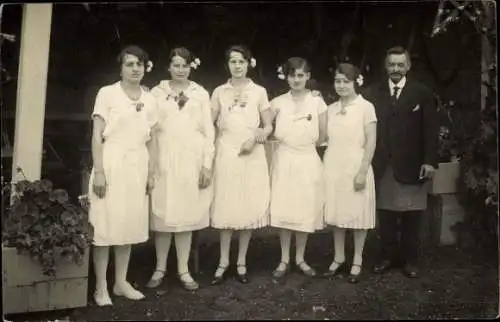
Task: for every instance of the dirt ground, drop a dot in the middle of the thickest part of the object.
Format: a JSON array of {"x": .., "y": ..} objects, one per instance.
[{"x": 454, "y": 284}]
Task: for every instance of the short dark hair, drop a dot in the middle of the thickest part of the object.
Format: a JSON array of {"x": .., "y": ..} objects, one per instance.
[
  {"x": 135, "y": 50},
  {"x": 398, "y": 50},
  {"x": 181, "y": 52},
  {"x": 350, "y": 71},
  {"x": 294, "y": 63},
  {"x": 242, "y": 49}
]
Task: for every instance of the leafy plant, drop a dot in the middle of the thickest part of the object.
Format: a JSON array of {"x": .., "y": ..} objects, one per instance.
[
  {"x": 43, "y": 223},
  {"x": 478, "y": 186},
  {"x": 5, "y": 195},
  {"x": 457, "y": 129},
  {"x": 480, "y": 173}
]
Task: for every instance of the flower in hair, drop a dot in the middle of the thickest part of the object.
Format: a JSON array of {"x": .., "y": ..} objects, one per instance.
[
  {"x": 149, "y": 66},
  {"x": 280, "y": 73},
  {"x": 253, "y": 62},
  {"x": 195, "y": 63},
  {"x": 359, "y": 80}
]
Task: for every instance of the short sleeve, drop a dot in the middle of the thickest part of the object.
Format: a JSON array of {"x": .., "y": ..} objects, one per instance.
[
  {"x": 274, "y": 106},
  {"x": 214, "y": 102},
  {"x": 101, "y": 107},
  {"x": 263, "y": 100},
  {"x": 321, "y": 106},
  {"x": 157, "y": 92},
  {"x": 369, "y": 115}
]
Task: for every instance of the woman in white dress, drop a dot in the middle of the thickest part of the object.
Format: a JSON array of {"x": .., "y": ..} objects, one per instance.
[
  {"x": 296, "y": 186},
  {"x": 123, "y": 153},
  {"x": 241, "y": 175},
  {"x": 349, "y": 182},
  {"x": 182, "y": 194}
]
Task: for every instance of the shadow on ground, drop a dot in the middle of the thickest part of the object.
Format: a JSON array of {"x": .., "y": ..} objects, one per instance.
[{"x": 454, "y": 284}]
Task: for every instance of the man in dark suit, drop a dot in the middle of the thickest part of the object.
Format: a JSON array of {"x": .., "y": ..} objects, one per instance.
[{"x": 404, "y": 161}]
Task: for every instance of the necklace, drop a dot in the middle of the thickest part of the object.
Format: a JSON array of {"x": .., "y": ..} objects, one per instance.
[
  {"x": 178, "y": 88},
  {"x": 343, "y": 106},
  {"x": 132, "y": 94}
]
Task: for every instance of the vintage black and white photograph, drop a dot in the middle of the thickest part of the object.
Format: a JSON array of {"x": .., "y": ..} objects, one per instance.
[{"x": 226, "y": 160}]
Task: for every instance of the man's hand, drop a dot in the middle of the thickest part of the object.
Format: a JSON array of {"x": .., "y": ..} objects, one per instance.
[{"x": 426, "y": 171}]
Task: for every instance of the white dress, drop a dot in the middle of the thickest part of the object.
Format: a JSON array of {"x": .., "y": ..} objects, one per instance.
[
  {"x": 121, "y": 217},
  {"x": 296, "y": 185},
  {"x": 241, "y": 183},
  {"x": 345, "y": 207},
  {"x": 186, "y": 144}
]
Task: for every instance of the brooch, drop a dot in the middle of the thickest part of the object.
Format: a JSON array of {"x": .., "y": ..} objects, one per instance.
[
  {"x": 342, "y": 111},
  {"x": 239, "y": 99},
  {"x": 181, "y": 99},
  {"x": 307, "y": 117},
  {"x": 139, "y": 106}
]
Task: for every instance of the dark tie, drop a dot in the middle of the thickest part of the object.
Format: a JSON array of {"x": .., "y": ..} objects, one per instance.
[{"x": 394, "y": 97}]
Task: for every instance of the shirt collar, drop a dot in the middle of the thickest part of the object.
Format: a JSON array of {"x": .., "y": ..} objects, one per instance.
[
  {"x": 306, "y": 97},
  {"x": 354, "y": 101},
  {"x": 165, "y": 85},
  {"x": 229, "y": 85},
  {"x": 400, "y": 84}
]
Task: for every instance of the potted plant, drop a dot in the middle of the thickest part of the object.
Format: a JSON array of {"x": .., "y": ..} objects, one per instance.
[
  {"x": 452, "y": 139},
  {"x": 45, "y": 249}
]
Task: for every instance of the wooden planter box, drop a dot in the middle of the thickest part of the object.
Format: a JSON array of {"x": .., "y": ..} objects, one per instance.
[
  {"x": 26, "y": 289},
  {"x": 451, "y": 213},
  {"x": 445, "y": 178},
  {"x": 443, "y": 212}
]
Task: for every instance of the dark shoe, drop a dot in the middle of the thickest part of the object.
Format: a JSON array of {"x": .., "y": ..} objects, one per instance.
[
  {"x": 354, "y": 278},
  {"x": 330, "y": 273},
  {"x": 280, "y": 273},
  {"x": 382, "y": 266},
  {"x": 306, "y": 269},
  {"x": 219, "y": 279},
  {"x": 188, "y": 285},
  {"x": 410, "y": 271},
  {"x": 242, "y": 278},
  {"x": 153, "y": 283}
]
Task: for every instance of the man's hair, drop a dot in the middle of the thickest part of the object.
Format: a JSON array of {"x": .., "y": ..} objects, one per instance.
[{"x": 398, "y": 50}]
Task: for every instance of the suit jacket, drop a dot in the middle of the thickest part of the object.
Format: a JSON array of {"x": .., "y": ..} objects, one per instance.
[{"x": 407, "y": 132}]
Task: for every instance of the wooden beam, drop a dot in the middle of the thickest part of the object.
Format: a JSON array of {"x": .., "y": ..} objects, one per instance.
[{"x": 31, "y": 90}]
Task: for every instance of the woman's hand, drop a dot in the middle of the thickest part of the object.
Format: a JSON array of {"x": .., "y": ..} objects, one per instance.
[
  {"x": 99, "y": 184},
  {"x": 205, "y": 178},
  {"x": 247, "y": 147},
  {"x": 360, "y": 181},
  {"x": 261, "y": 135},
  {"x": 150, "y": 184}
]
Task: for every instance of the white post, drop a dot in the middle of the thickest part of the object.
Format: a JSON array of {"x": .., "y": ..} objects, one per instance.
[{"x": 31, "y": 90}]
